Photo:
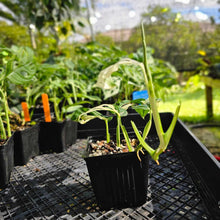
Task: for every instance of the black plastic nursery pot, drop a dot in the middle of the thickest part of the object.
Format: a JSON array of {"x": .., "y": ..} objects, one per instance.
[
  {"x": 26, "y": 144},
  {"x": 6, "y": 161},
  {"x": 57, "y": 136},
  {"x": 118, "y": 180},
  {"x": 70, "y": 130}
]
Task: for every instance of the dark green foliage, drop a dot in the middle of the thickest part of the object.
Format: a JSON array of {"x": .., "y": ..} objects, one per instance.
[{"x": 93, "y": 57}]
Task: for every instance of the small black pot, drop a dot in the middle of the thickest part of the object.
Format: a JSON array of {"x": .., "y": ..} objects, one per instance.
[
  {"x": 6, "y": 161},
  {"x": 118, "y": 180},
  {"x": 26, "y": 145},
  {"x": 57, "y": 136}
]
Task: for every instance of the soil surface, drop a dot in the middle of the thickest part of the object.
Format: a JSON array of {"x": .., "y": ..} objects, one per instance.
[
  {"x": 209, "y": 136},
  {"x": 98, "y": 148}
]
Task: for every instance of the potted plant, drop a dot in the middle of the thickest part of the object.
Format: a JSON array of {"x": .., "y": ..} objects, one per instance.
[
  {"x": 53, "y": 135},
  {"x": 67, "y": 93},
  {"x": 20, "y": 70},
  {"x": 56, "y": 135},
  {"x": 120, "y": 180},
  {"x": 26, "y": 138},
  {"x": 6, "y": 136},
  {"x": 108, "y": 169}
]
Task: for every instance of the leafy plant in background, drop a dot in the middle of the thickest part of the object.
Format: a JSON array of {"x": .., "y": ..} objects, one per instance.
[
  {"x": 93, "y": 57},
  {"x": 76, "y": 82},
  {"x": 50, "y": 15},
  {"x": 126, "y": 79},
  {"x": 15, "y": 68},
  {"x": 68, "y": 89},
  {"x": 61, "y": 99},
  {"x": 13, "y": 35},
  {"x": 21, "y": 77},
  {"x": 209, "y": 60},
  {"x": 163, "y": 73},
  {"x": 22, "y": 70},
  {"x": 174, "y": 39}
]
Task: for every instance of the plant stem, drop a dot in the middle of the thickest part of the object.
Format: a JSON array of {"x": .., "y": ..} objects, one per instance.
[
  {"x": 125, "y": 133},
  {"x": 150, "y": 86},
  {"x": 118, "y": 139},
  {"x": 107, "y": 131},
  {"x": 56, "y": 109},
  {"x": 6, "y": 108},
  {"x": 3, "y": 133},
  {"x": 74, "y": 91}
]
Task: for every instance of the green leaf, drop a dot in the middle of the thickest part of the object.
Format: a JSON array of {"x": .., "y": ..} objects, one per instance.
[
  {"x": 142, "y": 110},
  {"x": 147, "y": 127},
  {"x": 150, "y": 150},
  {"x": 127, "y": 139},
  {"x": 4, "y": 53},
  {"x": 106, "y": 73},
  {"x": 70, "y": 109},
  {"x": 18, "y": 78},
  {"x": 84, "y": 117}
]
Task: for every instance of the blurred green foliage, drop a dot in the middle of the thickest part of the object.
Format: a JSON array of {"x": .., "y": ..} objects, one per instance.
[{"x": 13, "y": 35}]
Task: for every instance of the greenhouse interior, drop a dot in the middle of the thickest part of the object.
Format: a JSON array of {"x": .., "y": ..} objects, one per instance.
[{"x": 110, "y": 109}]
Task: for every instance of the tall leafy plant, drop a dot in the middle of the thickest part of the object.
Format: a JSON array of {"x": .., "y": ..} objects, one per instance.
[
  {"x": 67, "y": 89},
  {"x": 164, "y": 137}
]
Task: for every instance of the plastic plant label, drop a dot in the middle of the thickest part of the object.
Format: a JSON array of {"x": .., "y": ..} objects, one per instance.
[
  {"x": 140, "y": 95},
  {"x": 24, "y": 106},
  {"x": 46, "y": 107}
]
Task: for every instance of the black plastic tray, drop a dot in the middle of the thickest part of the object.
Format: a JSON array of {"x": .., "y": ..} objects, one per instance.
[{"x": 57, "y": 186}]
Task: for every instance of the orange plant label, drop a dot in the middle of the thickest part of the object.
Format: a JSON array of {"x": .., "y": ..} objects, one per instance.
[
  {"x": 24, "y": 106},
  {"x": 46, "y": 107}
]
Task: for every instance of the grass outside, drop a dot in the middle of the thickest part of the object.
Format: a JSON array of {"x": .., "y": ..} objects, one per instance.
[{"x": 193, "y": 105}]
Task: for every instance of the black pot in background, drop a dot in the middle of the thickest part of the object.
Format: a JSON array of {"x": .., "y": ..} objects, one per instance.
[
  {"x": 57, "y": 136},
  {"x": 26, "y": 145},
  {"x": 6, "y": 161},
  {"x": 118, "y": 180},
  {"x": 38, "y": 113}
]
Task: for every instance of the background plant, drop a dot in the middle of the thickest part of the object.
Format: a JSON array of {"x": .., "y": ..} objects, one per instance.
[
  {"x": 56, "y": 16},
  {"x": 15, "y": 67},
  {"x": 173, "y": 39},
  {"x": 121, "y": 83}
]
